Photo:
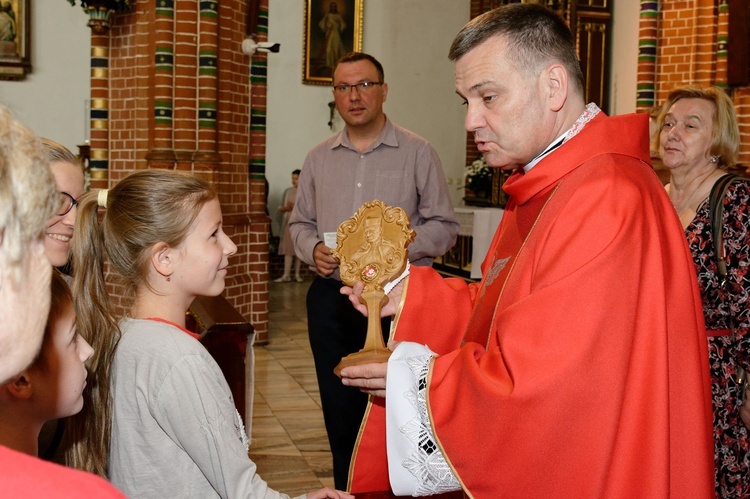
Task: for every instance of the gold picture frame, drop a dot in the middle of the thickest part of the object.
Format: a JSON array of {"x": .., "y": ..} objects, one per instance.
[
  {"x": 15, "y": 25},
  {"x": 332, "y": 28}
]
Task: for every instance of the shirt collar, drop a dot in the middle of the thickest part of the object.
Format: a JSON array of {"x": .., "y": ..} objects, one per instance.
[
  {"x": 387, "y": 136},
  {"x": 159, "y": 319}
]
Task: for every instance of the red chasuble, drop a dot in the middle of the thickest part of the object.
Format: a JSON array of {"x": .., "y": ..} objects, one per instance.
[{"x": 578, "y": 367}]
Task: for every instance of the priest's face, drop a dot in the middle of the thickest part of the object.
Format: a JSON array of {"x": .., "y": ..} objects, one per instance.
[{"x": 505, "y": 107}]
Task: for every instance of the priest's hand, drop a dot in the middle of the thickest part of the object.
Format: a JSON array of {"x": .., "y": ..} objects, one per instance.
[
  {"x": 745, "y": 408},
  {"x": 324, "y": 262},
  {"x": 369, "y": 378},
  {"x": 389, "y": 309}
]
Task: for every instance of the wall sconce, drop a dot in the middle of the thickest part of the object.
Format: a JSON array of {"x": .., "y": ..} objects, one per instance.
[
  {"x": 250, "y": 46},
  {"x": 331, "y": 107}
]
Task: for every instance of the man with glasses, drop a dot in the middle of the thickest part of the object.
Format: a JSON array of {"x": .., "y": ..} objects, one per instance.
[{"x": 371, "y": 158}]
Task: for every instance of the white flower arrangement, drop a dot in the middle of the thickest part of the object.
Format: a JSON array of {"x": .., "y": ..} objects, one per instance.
[{"x": 479, "y": 177}]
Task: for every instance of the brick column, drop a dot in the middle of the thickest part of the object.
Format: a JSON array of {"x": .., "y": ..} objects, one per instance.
[
  {"x": 207, "y": 158},
  {"x": 185, "y": 30},
  {"x": 99, "y": 113},
  {"x": 648, "y": 30},
  {"x": 258, "y": 252},
  {"x": 705, "y": 29},
  {"x": 742, "y": 105},
  {"x": 185, "y": 135},
  {"x": 161, "y": 153},
  {"x": 722, "y": 38}
]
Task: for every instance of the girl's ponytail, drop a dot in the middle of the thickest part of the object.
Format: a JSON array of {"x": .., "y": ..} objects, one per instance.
[{"x": 87, "y": 433}]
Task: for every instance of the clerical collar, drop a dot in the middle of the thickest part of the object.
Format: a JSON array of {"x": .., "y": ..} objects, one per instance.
[
  {"x": 554, "y": 145},
  {"x": 587, "y": 115}
]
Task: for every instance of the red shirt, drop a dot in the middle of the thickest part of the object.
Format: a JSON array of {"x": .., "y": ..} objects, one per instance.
[{"x": 25, "y": 476}]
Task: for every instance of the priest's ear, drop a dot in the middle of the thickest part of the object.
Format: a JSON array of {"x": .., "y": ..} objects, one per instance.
[
  {"x": 556, "y": 79},
  {"x": 19, "y": 388}
]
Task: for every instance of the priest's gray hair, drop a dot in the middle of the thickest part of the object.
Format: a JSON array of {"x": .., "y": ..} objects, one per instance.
[{"x": 536, "y": 37}]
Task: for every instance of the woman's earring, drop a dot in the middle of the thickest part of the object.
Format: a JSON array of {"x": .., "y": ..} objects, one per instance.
[
  {"x": 169, "y": 278},
  {"x": 714, "y": 159}
]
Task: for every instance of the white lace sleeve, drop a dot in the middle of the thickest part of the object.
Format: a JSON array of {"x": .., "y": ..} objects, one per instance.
[{"x": 415, "y": 464}]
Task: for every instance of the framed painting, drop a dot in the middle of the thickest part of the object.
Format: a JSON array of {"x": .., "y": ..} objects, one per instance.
[
  {"x": 332, "y": 28},
  {"x": 15, "y": 53}
]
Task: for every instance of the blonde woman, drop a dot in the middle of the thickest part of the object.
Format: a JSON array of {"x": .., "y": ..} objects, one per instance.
[{"x": 68, "y": 173}]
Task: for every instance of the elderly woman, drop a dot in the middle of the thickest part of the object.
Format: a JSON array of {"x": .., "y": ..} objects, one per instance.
[
  {"x": 27, "y": 198},
  {"x": 698, "y": 137}
]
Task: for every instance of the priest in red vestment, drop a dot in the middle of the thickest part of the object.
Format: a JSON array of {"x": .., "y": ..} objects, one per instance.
[{"x": 578, "y": 366}]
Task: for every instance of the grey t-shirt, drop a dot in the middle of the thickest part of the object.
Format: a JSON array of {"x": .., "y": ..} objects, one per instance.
[{"x": 175, "y": 429}]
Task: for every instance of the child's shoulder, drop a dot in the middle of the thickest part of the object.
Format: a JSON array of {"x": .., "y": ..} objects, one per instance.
[{"x": 158, "y": 338}]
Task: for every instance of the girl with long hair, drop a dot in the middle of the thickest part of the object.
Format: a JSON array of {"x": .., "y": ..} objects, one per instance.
[{"x": 163, "y": 422}]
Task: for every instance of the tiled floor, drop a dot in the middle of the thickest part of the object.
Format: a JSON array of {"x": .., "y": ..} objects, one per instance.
[{"x": 289, "y": 442}]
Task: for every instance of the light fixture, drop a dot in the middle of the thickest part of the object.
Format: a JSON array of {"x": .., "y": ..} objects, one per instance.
[
  {"x": 250, "y": 46},
  {"x": 331, "y": 107}
]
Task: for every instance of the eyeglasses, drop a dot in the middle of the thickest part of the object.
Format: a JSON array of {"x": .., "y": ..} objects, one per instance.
[
  {"x": 67, "y": 202},
  {"x": 365, "y": 86}
]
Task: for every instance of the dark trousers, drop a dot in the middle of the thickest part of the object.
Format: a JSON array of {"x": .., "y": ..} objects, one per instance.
[{"x": 336, "y": 329}]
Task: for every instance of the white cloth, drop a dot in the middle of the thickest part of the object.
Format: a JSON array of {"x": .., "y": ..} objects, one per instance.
[{"x": 416, "y": 466}]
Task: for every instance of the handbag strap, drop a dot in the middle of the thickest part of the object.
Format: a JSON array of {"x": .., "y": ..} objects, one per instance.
[{"x": 715, "y": 213}]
